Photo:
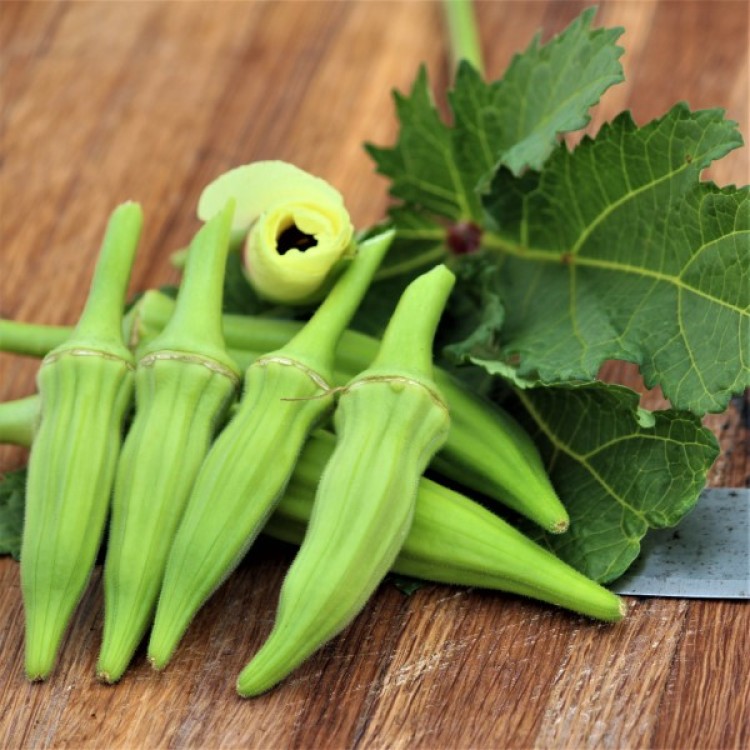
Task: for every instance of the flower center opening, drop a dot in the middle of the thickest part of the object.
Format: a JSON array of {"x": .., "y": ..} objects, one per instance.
[{"x": 293, "y": 238}]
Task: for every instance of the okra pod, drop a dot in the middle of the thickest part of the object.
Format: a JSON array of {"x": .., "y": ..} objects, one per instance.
[
  {"x": 86, "y": 387},
  {"x": 286, "y": 394},
  {"x": 184, "y": 385},
  {"x": 390, "y": 421},
  {"x": 454, "y": 540}
]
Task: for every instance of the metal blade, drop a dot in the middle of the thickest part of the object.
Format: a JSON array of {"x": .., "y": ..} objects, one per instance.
[{"x": 707, "y": 556}]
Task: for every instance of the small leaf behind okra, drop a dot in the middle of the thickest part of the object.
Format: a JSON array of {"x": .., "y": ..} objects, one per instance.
[
  {"x": 12, "y": 493},
  {"x": 618, "y": 469}
]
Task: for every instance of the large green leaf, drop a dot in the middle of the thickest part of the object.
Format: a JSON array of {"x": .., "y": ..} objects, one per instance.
[
  {"x": 546, "y": 91},
  {"x": 617, "y": 251},
  {"x": 618, "y": 469}
]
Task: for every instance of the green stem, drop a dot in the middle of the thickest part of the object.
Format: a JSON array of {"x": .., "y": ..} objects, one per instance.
[
  {"x": 17, "y": 420},
  {"x": 100, "y": 324},
  {"x": 195, "y": 326},
  {"x": 29, "y": 339},
  {"x": 464, "y": 36},
  {"x": 407, "y": 342},
  {"x": 316, "y": 342},
  {"x": 424, "y": 260}
]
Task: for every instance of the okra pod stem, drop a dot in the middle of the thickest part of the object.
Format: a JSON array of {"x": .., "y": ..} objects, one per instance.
[
  {"x": 389, "y": 422},
  {"x": 185, "y": 382},
  {"x": 286, "y": 393},
  {"x": 85, "y": 386},
  {"x": 29, "y": 339}
]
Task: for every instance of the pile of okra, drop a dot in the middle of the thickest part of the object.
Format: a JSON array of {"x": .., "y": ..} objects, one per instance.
[{"x": 178, "y": 435}]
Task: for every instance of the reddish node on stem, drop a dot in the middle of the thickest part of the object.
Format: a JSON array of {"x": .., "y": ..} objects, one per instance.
[{"x": 463, "y": 237}]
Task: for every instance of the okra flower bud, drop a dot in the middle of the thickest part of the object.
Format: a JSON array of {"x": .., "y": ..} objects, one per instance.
[
  {"x": 86, "y": 388},
  {"x": 297, "y": 228},
  {"x": 390, "y": 421},
  {"x": 286, "y": 394}
]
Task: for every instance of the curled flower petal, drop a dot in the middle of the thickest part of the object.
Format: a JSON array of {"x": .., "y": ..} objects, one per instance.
[{"x": 297, "y": 227}]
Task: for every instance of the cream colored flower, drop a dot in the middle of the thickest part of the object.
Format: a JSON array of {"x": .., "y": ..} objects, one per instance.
[{"x": 298, "y": 229}]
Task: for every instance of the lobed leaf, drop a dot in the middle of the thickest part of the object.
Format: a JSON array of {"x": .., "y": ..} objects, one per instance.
[
  {"x": 617, "y": 251},
  {"x": 546, "y": 91},
  {"x": 619, "y": 470}
]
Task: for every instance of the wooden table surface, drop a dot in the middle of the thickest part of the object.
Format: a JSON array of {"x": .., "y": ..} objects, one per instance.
[{"x": 106, "y": 101}]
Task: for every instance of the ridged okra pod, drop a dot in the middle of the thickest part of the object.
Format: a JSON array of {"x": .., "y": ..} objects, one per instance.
[
  {"x": 184, "y": 385},
  {"x": 286, "y": 394},
  {"x": 390, "y": 421},
  {"x": 86, "y": 387},
  {"x": 486, "y": 449},
  {"x": 454, "y": 540}
]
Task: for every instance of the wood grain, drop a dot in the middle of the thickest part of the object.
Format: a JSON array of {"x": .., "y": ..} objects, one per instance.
[{"x": 107, "y": 101}]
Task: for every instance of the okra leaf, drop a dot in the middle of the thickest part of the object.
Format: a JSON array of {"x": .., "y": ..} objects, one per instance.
[
  {"x": 436, "y": 167},
  {"x": 547, "y": 90},
  {"x": 12, "y": 493},
  {"x": 616, "y": 250},
  {"x": 619, "y": 470},
  {"x": 474, "y": 317}
]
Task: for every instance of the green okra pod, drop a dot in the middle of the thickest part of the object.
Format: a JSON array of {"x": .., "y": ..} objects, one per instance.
[
  {"x": 286, "y": 393},
  {"x": 390, "y": 421},
  {"x": 454, "y": 540},
  {"x": 496, "y": 456},
  {"x": 86, "y": 387},
  {"x": 184, "y": 385}
]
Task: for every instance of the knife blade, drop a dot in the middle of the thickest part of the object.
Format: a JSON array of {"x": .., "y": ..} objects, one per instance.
[{"x": 707, "y": 556}]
